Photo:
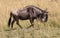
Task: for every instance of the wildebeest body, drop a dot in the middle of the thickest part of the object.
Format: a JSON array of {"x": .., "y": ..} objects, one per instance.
[{"x": 28, "y": 12}]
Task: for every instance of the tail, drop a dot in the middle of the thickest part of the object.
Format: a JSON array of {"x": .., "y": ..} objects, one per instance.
[{"x": 9, "y": 19}]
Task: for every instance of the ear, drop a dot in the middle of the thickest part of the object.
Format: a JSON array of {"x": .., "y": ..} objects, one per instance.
[{"x": 46, "y": 10}]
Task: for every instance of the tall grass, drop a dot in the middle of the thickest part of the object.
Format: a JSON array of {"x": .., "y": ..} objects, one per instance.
[{"x": 50, "y": 29}]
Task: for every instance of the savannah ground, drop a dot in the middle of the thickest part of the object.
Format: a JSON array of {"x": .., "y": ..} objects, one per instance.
[{"x": 50, "y": 29}]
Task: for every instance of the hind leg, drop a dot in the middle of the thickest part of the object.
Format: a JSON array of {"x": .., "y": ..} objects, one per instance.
[
  {"x": 12, "y": 23},
  {"x": 17, "y": 22}
]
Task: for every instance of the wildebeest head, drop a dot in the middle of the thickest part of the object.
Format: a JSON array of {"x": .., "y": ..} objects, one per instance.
[{"x": 44, "y": 16}]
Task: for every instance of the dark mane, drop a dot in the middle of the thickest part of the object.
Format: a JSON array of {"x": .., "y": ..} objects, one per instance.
[{"x": 33, "y": 7}]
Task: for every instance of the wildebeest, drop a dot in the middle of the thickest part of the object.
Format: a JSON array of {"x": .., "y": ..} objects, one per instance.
[{"x": 30, "y": 13}]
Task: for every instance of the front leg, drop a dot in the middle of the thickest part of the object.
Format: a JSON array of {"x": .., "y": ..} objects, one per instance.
[{"x": 32, "y": 23}]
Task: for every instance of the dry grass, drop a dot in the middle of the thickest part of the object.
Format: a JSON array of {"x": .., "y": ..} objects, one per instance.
[{"x": 51, "y": 29}]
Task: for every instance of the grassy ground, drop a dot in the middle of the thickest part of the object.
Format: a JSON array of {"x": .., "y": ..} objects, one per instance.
[{"x": 51, "y": 29}]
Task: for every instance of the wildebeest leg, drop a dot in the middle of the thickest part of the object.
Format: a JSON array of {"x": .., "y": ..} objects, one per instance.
[
  {"x": 18, "y": 24},
  {"x": 12, "y": 23},
  {"x": 32, "y": 23}
]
